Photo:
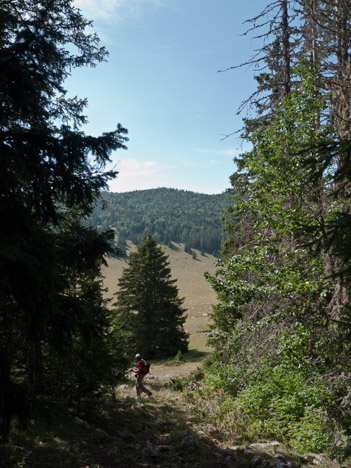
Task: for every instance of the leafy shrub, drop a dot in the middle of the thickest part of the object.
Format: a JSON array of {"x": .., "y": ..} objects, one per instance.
[
  {"x": 197, "y": 375},
  {"x": 179, "y": 357},
  {"x": 177, "y": 384},
  {"x": 273, "y": 402},
  {"x": 290, "y": 407}
]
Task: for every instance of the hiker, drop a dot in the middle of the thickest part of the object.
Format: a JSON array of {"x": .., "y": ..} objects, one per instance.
[{"x": 140, "y": 372}]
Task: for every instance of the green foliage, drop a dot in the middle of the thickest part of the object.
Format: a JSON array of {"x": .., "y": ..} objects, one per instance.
[
  {"x": 177, "y": 383},
  {"x": 179, "y": 356},
  {"x": 279, "y": 329},
  {"x": 271, "y": 401},
  {"x": 282, "y": 403},
  {"x": 148, "y": 310},
  {"x": 168, "y": 214}
]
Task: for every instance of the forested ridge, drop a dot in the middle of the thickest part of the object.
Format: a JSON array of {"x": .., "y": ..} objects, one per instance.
[{"x": 181, "y": 216}]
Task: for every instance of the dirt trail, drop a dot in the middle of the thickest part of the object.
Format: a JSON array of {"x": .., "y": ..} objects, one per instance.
[
  {"x": 164, "y": 373},
  {"x": 169, "y": 434},
  {"x": 166, "y": 430}
]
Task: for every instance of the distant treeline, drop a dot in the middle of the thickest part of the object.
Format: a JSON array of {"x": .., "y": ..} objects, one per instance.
[{"x": 170, "y": 215}]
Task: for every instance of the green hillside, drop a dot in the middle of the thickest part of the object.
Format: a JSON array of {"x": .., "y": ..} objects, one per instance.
[{"x": 171, "y": 215}]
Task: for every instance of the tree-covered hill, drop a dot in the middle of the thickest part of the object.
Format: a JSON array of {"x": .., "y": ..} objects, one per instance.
[{"x": 168, "y": 214}]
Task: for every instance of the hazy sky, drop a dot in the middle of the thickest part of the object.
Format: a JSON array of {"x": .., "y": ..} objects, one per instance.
[{"x": 162, "y": 83}]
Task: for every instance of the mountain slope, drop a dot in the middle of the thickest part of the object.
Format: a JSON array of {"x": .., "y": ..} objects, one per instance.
[{"x": 171, "y": 215}]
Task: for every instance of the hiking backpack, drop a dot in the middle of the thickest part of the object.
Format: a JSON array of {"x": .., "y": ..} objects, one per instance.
[{"x": 146, "y": 367}]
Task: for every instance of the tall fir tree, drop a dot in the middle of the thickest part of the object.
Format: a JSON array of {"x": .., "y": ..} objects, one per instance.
[
  {"x": 48, "y": 168},
  {"x": 148, "y": 309}
]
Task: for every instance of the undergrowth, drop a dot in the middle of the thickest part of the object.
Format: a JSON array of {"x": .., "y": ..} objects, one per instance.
[
  {"x": 277, "y": 405},
  {"x": 269, "y": 402},
  {"x": 272, "y": 389}
]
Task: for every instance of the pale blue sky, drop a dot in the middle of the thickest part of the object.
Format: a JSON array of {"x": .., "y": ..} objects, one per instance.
[{"x": 161, "y": 82}]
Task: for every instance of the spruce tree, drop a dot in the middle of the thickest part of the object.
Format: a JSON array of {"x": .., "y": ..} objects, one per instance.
[
  {"x": 148, "y": 309},
  {"x": 50, "y": 298}
]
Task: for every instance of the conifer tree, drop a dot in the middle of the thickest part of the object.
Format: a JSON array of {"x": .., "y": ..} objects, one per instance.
[
  {"x": 48, "y": 168},
  {"x": 148, "y": 309}
]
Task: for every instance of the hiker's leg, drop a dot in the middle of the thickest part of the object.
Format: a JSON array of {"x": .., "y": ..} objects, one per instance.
[
  {"x": 137, "y": 386},
  {"x": 141, "y": 386}
]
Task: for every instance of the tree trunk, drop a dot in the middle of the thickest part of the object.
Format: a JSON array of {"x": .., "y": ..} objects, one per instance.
[{"x": 286, "y": 48}]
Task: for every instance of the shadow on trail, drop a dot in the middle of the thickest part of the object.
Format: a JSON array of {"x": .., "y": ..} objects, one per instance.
[
  {"x": 147, "y": 432},
  {"x": 144, "y": 433},
  {"x": 126, "y": 433}
]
